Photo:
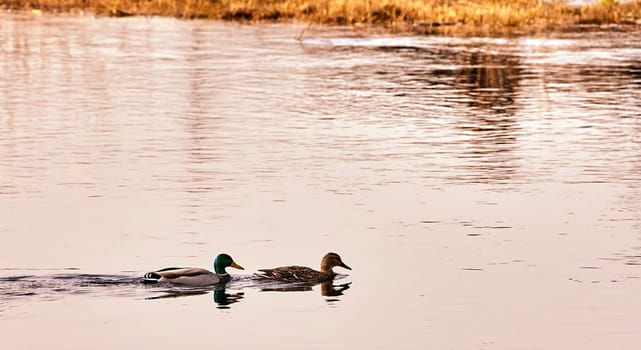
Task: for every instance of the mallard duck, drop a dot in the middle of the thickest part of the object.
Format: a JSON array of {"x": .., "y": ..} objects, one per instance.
[
  {"x": 305, "y": 274},
  {"x": 194, "y": 276}
]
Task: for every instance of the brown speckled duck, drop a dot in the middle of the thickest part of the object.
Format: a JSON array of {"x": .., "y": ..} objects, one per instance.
[
  {"x": 302, "y": 274},
  {"x": 194, "y": 276}
]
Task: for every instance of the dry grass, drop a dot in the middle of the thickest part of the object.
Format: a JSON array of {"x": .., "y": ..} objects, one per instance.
[{"x": 411, "y": 15}]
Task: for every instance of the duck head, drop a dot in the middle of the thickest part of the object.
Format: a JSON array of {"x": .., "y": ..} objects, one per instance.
[
  {"x": 331, "y": 260},
  {"x": 223, "y": 261}
]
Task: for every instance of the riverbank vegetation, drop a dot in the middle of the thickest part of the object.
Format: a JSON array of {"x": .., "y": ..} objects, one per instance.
[{"x": 397, "y": 15}]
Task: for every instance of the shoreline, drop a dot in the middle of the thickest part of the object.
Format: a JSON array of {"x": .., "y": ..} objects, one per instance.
[{"x": 486, "y": 17}]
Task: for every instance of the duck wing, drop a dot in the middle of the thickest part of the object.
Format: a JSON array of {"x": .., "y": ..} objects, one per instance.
[
  {"x": 292, "y": 274},
  {"x": 172, "y": 273}
]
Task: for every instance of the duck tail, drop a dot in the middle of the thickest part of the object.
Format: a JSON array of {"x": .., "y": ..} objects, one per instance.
[{"x": 151, "y": 277}]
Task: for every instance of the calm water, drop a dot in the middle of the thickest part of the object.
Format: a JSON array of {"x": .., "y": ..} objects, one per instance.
[{"x": 486, "y": 192}]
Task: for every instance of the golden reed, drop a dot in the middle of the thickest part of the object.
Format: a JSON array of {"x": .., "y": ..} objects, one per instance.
[{"x": 400, "y": 15}]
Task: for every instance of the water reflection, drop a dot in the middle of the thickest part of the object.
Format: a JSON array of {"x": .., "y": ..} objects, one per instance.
[
  {"x": 490, "y": 81},
  {"x": 327, "y": 289},
  {"x": 331, "y": 289},
  {"x": 222, "y": 298},
  {"x": 171, "y": 294},
  {"x": 505, "y": 109},
  {"x": 488, "y": 128},
  {"x": 490, "y": 154},
  {"x": 483, "y": 86}
]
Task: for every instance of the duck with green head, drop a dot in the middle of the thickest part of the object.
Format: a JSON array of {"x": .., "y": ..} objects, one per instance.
[
  {"x": 194, "y": 276},
  {"x": 302, "y": 274}
]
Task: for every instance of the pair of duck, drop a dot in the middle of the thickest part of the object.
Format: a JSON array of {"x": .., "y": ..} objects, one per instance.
[{"x": 195, "y": 276}]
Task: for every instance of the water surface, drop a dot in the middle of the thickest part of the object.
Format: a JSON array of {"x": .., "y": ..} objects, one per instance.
[{"x": 486, "y": 192}]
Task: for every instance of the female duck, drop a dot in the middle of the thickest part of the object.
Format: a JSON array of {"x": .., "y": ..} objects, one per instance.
[
  {"x": 194, "y": 276},
  {"x": 305, "y": 274}
]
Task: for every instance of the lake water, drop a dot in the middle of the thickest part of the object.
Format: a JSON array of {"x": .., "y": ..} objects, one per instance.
[{"x": 485, "y": 191}]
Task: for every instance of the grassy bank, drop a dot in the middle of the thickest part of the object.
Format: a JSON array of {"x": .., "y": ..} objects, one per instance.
[{"x": 402, "y": 15}]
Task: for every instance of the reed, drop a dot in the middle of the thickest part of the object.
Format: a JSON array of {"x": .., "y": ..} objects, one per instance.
[{"x": 402, "y": 15}]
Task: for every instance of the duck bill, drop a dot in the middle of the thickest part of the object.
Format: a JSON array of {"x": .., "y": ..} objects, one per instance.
[
  {"x": 345, "y": 266},
  {"x": 236, "y": 266}
]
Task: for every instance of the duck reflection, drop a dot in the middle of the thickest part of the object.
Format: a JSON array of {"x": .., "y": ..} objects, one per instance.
[
  {"x": 327, "y": 288},
  {"x": 330, "y": 289},
  {"x": 222, "y": 298}
]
